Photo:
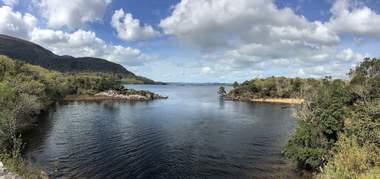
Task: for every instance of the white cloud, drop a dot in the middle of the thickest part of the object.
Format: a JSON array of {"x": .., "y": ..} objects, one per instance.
[
  {"x": 246, "y": 35},
  {"x": 15, "y": 23},
  {"x": 73, "y": 14},
  {"x": 11, "y": 2},
  {"x": 205, "y": 70},
  {"x": 214, "y": 23},
  {"x": 129, "y": 29},
  {"x": 237, "y": 39},
  {"x": 79, "y": 43},
  {"x": 348, "y": 55},
  {"x": 85, "y": 43},
  {"x": 349, "y": 17}
]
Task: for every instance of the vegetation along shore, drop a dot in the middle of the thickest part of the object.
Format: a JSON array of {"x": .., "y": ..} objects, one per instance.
[
  {"x": 27, "y": 90},
  {"x": 338, "y": 133}
]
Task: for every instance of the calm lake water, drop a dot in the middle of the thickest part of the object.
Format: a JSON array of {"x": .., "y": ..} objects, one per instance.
[{"x": 193, "y": 134}]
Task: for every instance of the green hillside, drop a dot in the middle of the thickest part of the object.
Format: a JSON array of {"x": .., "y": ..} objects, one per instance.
[{"x": 34, "y": 54}]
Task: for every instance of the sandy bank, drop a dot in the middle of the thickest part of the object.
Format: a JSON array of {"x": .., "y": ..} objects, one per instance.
[
  {"x": 279, "y": 100},
  {"x": 268, "y": 100}
]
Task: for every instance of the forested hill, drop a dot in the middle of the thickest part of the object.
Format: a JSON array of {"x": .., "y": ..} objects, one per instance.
[{"x": 36, "y": 55}]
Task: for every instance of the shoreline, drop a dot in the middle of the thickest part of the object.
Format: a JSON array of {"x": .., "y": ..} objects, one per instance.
[
  {"x": 279, "y": 100},
  {"x": 291, "y": 101},
  {"x": 115, "y": 95},
  {"x": 70, "y": 98}
]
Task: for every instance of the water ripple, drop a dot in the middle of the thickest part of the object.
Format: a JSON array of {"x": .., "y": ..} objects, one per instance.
[{"x": 190, "y": 135}]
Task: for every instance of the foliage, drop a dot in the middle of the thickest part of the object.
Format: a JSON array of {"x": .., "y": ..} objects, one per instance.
[
  {"x": 222, "y": 91},
  {"x": 320, "y": 120},
  {"x": 339, "y": 126},
  {"x": 132, "y": 79},
  {"x": 31, "y": 53},
  {"x": 7, "y": 101},
  {"x": 357, "y": 152},
  {"x": 365, "y": 79},
  {"x": 22, "y": 167},
  {"x": 26, "y": 90},
  {"x": 363, "y": 122},
  {"x": 352, "y": 160},
  {"x": 272, "y": 87},
  {"x": 235, "y": 84}
]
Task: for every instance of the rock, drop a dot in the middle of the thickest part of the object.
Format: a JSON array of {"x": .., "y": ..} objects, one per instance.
[
  {"x": 2, "y": 169},
  {"x": 132, "y": 95}
]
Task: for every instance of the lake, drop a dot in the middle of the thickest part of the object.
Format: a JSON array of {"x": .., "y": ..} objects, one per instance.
[{"x": 193, "y": 134}]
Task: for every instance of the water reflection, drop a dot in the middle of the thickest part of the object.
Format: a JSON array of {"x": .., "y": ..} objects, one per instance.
[{"x": 191, "y": 134}]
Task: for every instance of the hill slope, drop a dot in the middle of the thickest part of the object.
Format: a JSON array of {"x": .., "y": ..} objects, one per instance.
[{"x": 36, "y": 55}]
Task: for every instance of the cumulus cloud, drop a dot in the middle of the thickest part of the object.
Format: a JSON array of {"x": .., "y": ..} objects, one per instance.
[
  {"x": 237, "y": 39},
  {"x": 73, "y": 14},
  {"x": 15, "y": 23},
  {"x": 79, "y": 43},
  {"x": 258, "y": 35},
  {"x": 209, "y": 24},
  {"x": 85, "y": 43},
  {"x": 352, "y": 18},
  {"x": 130, "y": 29},
  {"x": 348, "y": 55}
]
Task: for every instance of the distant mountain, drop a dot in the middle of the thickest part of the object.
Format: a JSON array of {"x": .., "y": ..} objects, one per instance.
[
  {"x": 36, "y": 55},
  {"x": 199, "y": 84}
]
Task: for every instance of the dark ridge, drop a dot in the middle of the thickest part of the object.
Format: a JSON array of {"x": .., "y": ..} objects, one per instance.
[{"x": 36, "y": 55}]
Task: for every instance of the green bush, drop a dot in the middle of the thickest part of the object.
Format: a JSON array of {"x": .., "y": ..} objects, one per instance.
[
  {"x": 352, "y": 160},
  {"x": 320, "y": 119},
  {"x": 336, "y": 108},
  {"x": 273, "y": 87}
]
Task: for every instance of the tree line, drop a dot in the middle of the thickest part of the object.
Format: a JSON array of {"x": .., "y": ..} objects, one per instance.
[{"x": 273, "y": 87}]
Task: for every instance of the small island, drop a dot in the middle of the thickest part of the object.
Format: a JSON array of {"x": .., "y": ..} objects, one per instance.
[{"x": 124, "y": 94}]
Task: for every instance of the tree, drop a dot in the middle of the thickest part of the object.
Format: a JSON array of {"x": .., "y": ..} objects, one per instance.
[
  {"x": 236, "y": 84},
  {"x": 365, "y": 79},
  {"x": 320, "y": 120},
  {"x": 338, "y": 124},
  {"x": 352, "y": 160},
  {"x": 8, "y": 136},
  {"x": 222, "y": 92}
]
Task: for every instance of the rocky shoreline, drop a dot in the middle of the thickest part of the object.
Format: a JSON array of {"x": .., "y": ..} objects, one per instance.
[{"x": 125, "y": 94}]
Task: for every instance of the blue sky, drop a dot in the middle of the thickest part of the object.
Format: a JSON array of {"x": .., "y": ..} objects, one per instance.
[{"x": 204, "y": 40}]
